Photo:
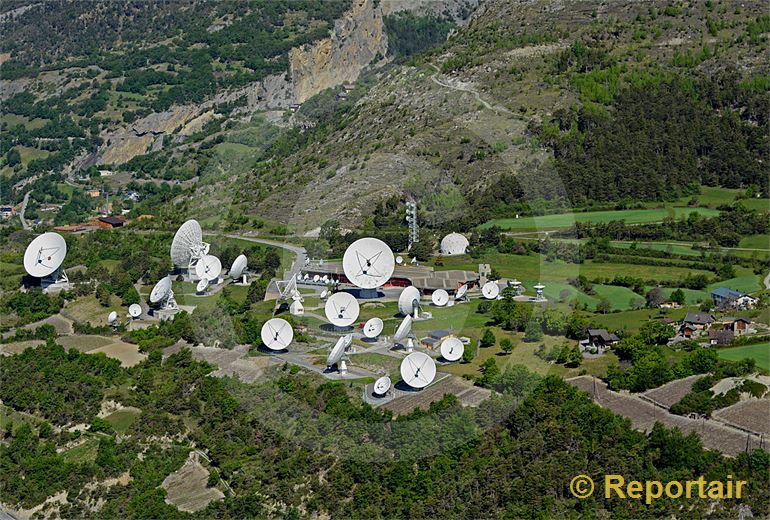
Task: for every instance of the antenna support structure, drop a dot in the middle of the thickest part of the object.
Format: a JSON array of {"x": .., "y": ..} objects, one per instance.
[{"x": 411, "y": 218}]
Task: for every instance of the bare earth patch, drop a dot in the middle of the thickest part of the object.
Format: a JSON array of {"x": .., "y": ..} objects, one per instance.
[
  {"x": 127, "y": 353},
  {"x": 186, "y": 488}
]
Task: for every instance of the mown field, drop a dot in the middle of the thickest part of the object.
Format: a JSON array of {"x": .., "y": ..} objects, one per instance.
[
  {"x": 759, "y": 352},
  {"x": 566, "y": 220}
]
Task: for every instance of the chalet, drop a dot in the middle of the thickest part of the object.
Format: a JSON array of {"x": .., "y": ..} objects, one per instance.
[
  {"x": 94, "y": 193},
  {"x": 669, "y": 305},
  {"x": 7, "y": 211},
  {"x": 601, "y": 338},
  {"x": 295, "y": 107},
  {"x": 726, "y": 297},
  {"x": 721, "y": 337},
  {"x": 738, "y": 326},
  {"x": 435, "y": 337},
  {"x": 698, "y": 320},
  {"x": 688, "y": 331}
]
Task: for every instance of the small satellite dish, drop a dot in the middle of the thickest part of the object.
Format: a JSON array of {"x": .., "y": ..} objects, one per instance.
[
  {"x": 277, "y": 334},
  {"x": 208, "y": 267},
  {"x": 373, "y": 327},
  {"x": 440, "y": 297},
  {"x": 452, "y": 349},
  {"x": 161, "y": 290},
  {"x": 296, "y": 308},
  {"x": 368, "y": 263},
  {"x": 134, "y": 310},
  {"x": 324, "y": 293},
  {"x": 418, "y": 370},
  {"x": 341, "y": 309},
  {"x": 461, "y": 292},
  {"x": 403, "y": 329},
  {"x": 112, "y": 319},
  {"x": 399, "y": 260},
  {"x": 339, "y": 350},
  {"x": 306, "y": 277},
  {"x": 490, "y": 291},
  {"x": 414, "y": 260},
  {"x": 239, "y": 265},
  {"x": 202, "y": 285},
  {"x": 45, "y": 254},
  {"x": 382, "y": 385},
  {"x": 408, "y": 300},
  {"x": 316, "y": 278},
  {"x": 324, "y": 278}
]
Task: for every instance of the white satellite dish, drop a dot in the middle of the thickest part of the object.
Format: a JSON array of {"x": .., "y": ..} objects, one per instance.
[
  {"x": 368, "y": 263},
  {"x": 239, "y": 265},
  {"x": 134, "y": 310},
  {"x": 45, "y": 254},
  {"x": 382, "y": 385},
  {"x": 373, "y": 327},
  {"x": 306, "y": 277},
  {"x": 208, "y": 267},
  {"x": 490, "y": 290},
  {"x": 461, "y": 292},
  {"x": 296, "y": 308},
  {"x": 188, "y": 245},
  {"x": 403, "y": 329},
  {"x": 202, "y": 285},
  {"x": 452, "y": 349},
  {"x": 277, "y": 334},
  {"x": 112, "y": 319},
  {"x": 414, "y": 260},
  {"x": 324, "y": 293},
  {"x": 454, "y": 244},
  {"x": 399, "y": 259},
  {"x": 409, "y": 300},
  {"x": 316, "y": 278},
  {"x": 342, "y": 309},
  {"x": 161, "y": 290},
  {"x": 418, "y": 370},
  {"x": 439, "y": 297},
  {"x": 339, "y": 350},
  {"x": 324, "y": 278}
]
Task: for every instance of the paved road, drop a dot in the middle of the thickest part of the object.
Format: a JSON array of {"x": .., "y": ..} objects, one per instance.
[
  {"x": 24, "y": 223},
  {"x": 767, "y": 281}
]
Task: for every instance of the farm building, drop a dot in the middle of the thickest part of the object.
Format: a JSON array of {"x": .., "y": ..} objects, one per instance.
[
  {"x": 726, "y": 297},
  {"x": 601, "y": 338}
]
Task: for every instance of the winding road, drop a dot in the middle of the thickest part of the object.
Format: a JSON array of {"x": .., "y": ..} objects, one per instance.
[
  {"x": 469, "y": 90},
  {"x": 24, "y": 223}
]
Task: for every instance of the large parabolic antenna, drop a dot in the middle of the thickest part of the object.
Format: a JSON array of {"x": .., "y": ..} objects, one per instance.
[
  {"x": 208, "y": 267},
  {"x": 338, "y": 350},
  {"x": 454, "y": 244},
  {"x": 452, "y": 349},
  {"x": 418, "y": 370},
  {"x": 342, "y": 309},
  {"x": 45, "y": 254},
  {"x": 368, "y": 263},
  {"x": 409, "y": 300},
  {"x": 404, "y": 328},
  {"x": 238, "y": 267},
  {"x": 163, "y": 294},
  {"x": 373, "y": 327},
  {"x": 382, "y": 385},
  {"x": 439, "y": 297},
  {"x": 188, "y": 245},
  {"x": 490, "y": 290},
  {"x": 277, "y": 334}
]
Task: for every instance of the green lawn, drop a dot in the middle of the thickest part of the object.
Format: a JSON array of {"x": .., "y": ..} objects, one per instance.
[
  {"x": 85, "y": 452},
  {"x": 566, "y": 220},
  {"x": 757, "y": 204},
  {"x": 745, "y": 282},
  {"x": 633, "y": 320},
  {"x": 122, "y": 420},
  {"x": 676, "y": 249},
  {"x": 759, "y": 352},
  {"x": 755, "y": 242}
]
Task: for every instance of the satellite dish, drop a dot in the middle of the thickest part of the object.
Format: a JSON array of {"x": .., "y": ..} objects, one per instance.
[
  {"x": 296, "y": 308},
  {"x": 460, "y": 294},
  {"x": 339, "y": 350},
  {"x": 440, "y": 297},
  {"x": 324, "y": 278},
  {"x": 414, "y": 260},
  {"x": 408, "y": 300},
  {"x": 399, "y": 260},
  {"x": 373, "y": 327},
  {"x": 324, "y": 293},
  {"x": 277, "y": 334},
  {"x": 202, "y": 284},
  {"x": 45, "y": 254},
  {"x": 161, "y": 290},
  {"x": 454, "y": 244},
  {"x": 188, "y": 245},
  {"x": 382, "y": 385},
  {"x": 418, "y": 370},
  {"x": 368, "y": 263},
  {"x": 316, "y": 278},
  {"x": 341, "y": 309},
  {"x": 208, "y": 267},
  {"x": 452, "y": 349},
  {"x": 307, "y": 277},
  {"x": 112, "y": 319},
  {"x": 134, "y": 310},
  {"x": 490, "y": 291},
  {"x": 403, "y": 329},
  {"x": 239, "y": 265}
]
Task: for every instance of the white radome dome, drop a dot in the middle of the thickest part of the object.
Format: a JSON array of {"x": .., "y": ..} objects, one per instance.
[{"x": 454, "y": 244}]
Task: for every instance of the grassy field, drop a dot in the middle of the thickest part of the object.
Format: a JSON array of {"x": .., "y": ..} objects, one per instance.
[
  {"x": 633, "y": 320},
  {"x": 746, "y": 282},
  {"x": 759, "y": 352},
  {"x": 566, "y": 220},
  {"x": 755, "y": 242},
  {"x": 85, "y": 452},
  {"x": 122, "y": 420}
]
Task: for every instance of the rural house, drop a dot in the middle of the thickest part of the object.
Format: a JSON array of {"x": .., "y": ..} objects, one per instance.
[{"x": 726, "y": 297}]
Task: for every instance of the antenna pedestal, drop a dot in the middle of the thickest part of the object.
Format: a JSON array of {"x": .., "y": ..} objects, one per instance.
[
  {"x": 410, "y": 345},
  {"x": 343, "y": 367}
]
